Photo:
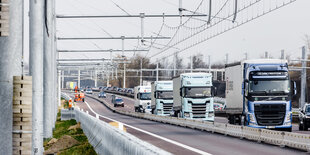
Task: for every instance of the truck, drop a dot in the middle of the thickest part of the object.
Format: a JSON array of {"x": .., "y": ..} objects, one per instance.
[
  {"x": 193, "y": 96},
  {"x": 161, "y": 97},
  {"x": 71, "y": 85},
  {"x": 304, "y": 117},
  {"x": 259, "y": 93},
  {"x": 142, "y": 98}
]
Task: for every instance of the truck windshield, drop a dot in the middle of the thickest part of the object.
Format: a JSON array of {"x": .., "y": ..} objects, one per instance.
[
  {"x": 145, "y": 96},
  {"x": 165, "y": 94},
  {"x": 308, "y": 109},
  {"x": 198, "y": 92},
  {"x": 118, "y": 100},
  {"x": 264, "y": 87}
]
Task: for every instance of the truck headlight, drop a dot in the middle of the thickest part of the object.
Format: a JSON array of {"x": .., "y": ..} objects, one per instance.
[
  {"x": 211, "y": 114},
  {"x": 251, "y": 118},
  {"x": 159, "y": 111},
  {"x": 186, "y": 114},
  {"x": 288, "y": 117}
]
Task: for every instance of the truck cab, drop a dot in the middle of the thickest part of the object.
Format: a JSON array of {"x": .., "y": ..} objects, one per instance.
[
  {"x": 304, "y": 117},
  {"x": 259, "y": 93},
  {"x": 162, "y": 97},
  {"x": 193, "y": 96},
  {"x": 142, "y": 98}
]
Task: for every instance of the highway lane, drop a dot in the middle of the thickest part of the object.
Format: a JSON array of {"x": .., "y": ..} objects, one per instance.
[
  {"x": 211, "y": 143},
  {"x": 129, "y": 106}
]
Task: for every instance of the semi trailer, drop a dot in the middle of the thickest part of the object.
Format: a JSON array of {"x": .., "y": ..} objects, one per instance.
[{"x": 259, "y": 94}]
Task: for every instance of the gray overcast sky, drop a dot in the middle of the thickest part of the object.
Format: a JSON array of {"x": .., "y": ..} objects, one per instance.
[{"x": 282, "y": 29}]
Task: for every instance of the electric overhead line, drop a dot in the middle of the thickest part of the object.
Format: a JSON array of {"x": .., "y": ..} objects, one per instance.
[{"x": 235, "y": 25}]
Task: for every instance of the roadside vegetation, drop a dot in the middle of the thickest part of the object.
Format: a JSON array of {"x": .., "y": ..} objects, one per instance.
[{"x": 68, "y": 139}]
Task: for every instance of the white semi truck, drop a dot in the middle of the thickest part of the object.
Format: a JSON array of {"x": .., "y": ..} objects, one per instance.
[
  {"x": 193, "y": 96},
  {"x": 162, "y": 97},
  {"x": 259, "y": 94},
  {"x": 142, "y": 98}
]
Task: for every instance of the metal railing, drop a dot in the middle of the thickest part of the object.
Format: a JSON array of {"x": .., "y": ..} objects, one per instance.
[{"x": 107, "y": 139}]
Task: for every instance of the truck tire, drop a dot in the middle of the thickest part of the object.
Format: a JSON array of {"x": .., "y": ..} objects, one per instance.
[
  {"x": 301, "y": 127},
  {"x": 289, "y": 129},
  {"x": 114, "y": 105},
  {"x": 305, "y": 127}
]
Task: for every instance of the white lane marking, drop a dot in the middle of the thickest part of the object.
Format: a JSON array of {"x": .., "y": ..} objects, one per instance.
[{"x": 154, "y": 135}]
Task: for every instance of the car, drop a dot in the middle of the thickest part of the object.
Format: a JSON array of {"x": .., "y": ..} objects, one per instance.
[
  {"x": 114, "y": 88},
  {"x": 119, "y": 89},
  {"x": 102, "y": 95},
  {"x": 117, "y": 101},
  {"x": 89, "y": 91},
  {"x": 217, "y": 107},
  {"x": 304, "y": 117}
]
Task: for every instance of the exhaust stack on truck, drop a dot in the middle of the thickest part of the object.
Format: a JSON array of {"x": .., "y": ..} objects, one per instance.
[{"x": 259, "y": 93}]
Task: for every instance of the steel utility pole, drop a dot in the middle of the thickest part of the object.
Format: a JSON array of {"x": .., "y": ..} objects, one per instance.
[
  {"x": 95, "y": 78},
  {"x": 303, "y": 78},
  {"x": 209, "y": 61},
  {"x": 79, "y": 79},
  {"x": 36, "y": 71},
  {"x": 48, "y": 109},
  {"x": 282, "y": 54},
  {"x": 266, "y": 55},
  {"x": 191, "y": 63},
  {"x": 157, "y": 71},
  {"x": 226, "y": 58},
  {"x": 11, "y": 49},
  {"x": 174, "y": 64},
  {"x": 141, "y": 72},
  {"x": 124, "y": 64}
]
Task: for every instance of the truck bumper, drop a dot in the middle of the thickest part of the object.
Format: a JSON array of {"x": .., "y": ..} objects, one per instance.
[{"x": 271, "y": 127}]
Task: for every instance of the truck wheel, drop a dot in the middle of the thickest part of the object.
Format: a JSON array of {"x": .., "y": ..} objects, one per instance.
[
  {"x": 114, "y": 105},
  {"x": 301, "y": 127},
  {"x": 123, "y": 105},
  {"x": 305, "y": 127},
  {"x": 289, "y": 129}
]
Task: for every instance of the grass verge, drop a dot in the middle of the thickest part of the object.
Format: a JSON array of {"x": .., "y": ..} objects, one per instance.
[{"x": 77, "y": 145}]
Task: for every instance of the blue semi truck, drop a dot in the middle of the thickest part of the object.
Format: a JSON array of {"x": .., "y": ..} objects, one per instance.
[{"x": 259, "y": 94}]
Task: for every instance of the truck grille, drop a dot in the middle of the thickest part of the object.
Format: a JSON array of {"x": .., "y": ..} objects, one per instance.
[
  {"x": 167, "y": 108},
  {"x": 199, "y": 110},
  {"x": 269, "y": 114}
]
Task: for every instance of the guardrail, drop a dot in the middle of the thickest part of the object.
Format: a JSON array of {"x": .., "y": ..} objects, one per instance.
[
  {"x": 293, "y": 140},
  {"x": 107, "y": 139}
]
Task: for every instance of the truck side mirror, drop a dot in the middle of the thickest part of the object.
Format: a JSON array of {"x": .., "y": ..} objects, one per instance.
[
  {"x": 295, "y": 89},
  {"x": 180, "y": 91},
  {"x": 214, "y": 91}
]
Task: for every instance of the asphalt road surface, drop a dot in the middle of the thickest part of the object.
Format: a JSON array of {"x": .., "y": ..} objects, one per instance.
[{"x": 180, "y": 140}]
